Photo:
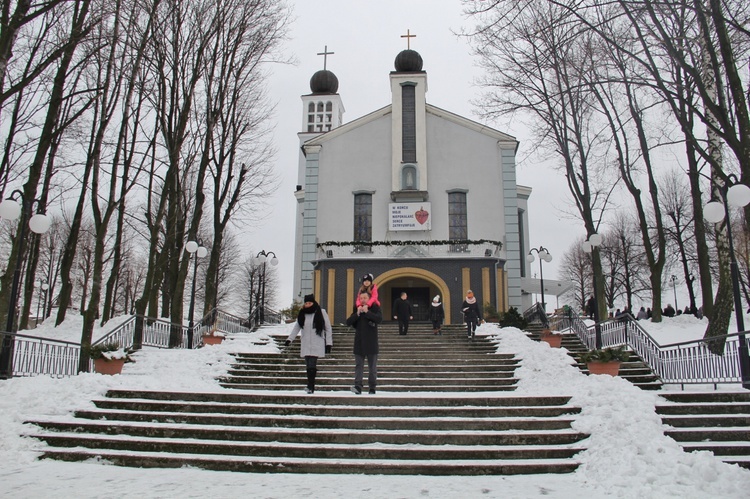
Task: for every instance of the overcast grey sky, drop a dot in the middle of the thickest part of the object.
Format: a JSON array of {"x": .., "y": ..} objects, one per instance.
[{"x": 365, "y": 37}]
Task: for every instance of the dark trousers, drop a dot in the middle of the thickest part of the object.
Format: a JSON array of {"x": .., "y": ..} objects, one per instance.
[
  {"x": 403, "y": 326},
  {"x": 471, "y": 326},
  {"x": 359, "y": 370},
  {"x": 312, "y": 370}
]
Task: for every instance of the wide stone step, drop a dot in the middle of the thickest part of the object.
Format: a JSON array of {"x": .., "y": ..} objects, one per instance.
[
  {"x": 412, "y": 388},
  {"x": 328, "y": 372},
  {"x": 333, "y": 365},
  {"x": 729, "y": 434},
  {"x": 702, "y": 420},
  {"x": 704, "y": 408},
  {"x": 313, "y": 435},
  {"x": 313, "y": 451},
  {"x": 707, "y": 397},
  {"x": 394, "y": 422},
  {"x": 343, "y": 410},
  {"x": 449, "y": 400},
  {"x": 305, "y": 465}
]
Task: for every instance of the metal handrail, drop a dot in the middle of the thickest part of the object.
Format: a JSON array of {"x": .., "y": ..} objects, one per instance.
[
  {"x": 33, "y": 355},
  {"x": 536, "y": 312},
  {"x": 682, "y": 363}
]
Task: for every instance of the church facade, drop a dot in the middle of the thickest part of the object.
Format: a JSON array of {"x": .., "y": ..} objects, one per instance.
[{"x": 423, "y": 199}]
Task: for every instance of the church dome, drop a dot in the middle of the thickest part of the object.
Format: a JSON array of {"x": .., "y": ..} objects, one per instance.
[
  {"x": 408, "y": 61},
  {"x": 324, "y": 82}
]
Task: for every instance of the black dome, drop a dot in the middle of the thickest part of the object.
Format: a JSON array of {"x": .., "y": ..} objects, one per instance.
[
  {"x": 408, "y": 61},
  {"x": 324, "y": 82}
]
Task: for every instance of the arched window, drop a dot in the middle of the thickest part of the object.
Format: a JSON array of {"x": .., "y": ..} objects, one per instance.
[
  {"x": 409, "y": 179},
  {"x": 319, "y": 116}
]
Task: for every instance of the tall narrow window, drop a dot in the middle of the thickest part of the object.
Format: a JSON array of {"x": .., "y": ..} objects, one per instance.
[
  {"x": 409, "y": 123},
  {"x": 457, "y": 220},
  {"x": 363, "y": 220},
  {"x": 521, "y": 245}
]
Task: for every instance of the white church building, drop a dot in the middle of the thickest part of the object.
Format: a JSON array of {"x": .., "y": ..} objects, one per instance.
[{"x": 423, "y": 199}]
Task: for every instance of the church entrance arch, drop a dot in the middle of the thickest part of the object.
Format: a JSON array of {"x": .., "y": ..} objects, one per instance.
[{"x": 420, "y": 286}]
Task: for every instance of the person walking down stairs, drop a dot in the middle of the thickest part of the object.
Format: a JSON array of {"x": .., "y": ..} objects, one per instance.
[
  {"x": 316, "y": 339},
  {"x": 472, "y": 313},
  {"x": 365, "y": 322},
  {"x": 402, "y": 313},
  {"x": 437, "y": 315}
]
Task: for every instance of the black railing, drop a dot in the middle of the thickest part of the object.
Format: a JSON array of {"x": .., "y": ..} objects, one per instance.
[{"x": 536, "y": 313}]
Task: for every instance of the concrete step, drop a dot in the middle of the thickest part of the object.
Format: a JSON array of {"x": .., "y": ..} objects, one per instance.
[
  {"x": 334, "y": 466},
  {"x": 715, "y": 421},
  {"x": 232, "y": 431}
]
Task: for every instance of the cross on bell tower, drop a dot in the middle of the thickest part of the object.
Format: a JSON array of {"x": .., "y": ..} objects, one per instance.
[
  {"x": 325, "y": 55},
  {"x": 408, "y": 37}
]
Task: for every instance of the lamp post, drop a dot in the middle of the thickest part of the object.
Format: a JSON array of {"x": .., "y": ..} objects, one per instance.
[
  {"x": 196, "y": 250},
  {"x": 543, "y": 254},
  {"x": 589, "y": 246},
  {"x": 262, "y": 258},
  {"x": 674, "y": 289},
  {"x": 42, "y": 285},
  {"x": 45, "y": 290},
  {"x": 39, "y": 223},
  {"x": 737, "y": 195}
]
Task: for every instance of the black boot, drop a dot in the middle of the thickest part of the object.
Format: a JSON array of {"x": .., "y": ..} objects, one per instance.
[{"x": 311, "y": 372}]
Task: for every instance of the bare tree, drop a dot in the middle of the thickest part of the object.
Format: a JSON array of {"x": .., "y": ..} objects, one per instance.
[{"x": 535, "y": 61}]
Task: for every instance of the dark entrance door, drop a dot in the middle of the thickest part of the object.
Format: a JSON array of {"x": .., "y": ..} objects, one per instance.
[{"x": 420, "y": 301}]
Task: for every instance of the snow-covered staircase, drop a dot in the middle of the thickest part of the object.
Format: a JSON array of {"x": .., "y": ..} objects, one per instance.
[
  {"x": 634, "y": 371},
  {"x": 713, "y": 421},
  {"x": 442, "y": 408},
  {"x": 419, "y": 361}
]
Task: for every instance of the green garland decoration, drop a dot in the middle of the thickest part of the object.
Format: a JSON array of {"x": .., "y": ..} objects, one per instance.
[{"x": 410, "y": 243}]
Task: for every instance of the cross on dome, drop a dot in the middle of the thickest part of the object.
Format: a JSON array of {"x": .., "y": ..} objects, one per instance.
[
  {"x": 325, "y": 55},
  {"x": 408, "y": 36}
]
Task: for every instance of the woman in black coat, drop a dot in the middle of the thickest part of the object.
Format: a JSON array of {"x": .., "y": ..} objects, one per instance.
[
  {"x": 437, "y": 315},
  {"x": 365, "y": 320},
  {"x": 472, "y": 313}
]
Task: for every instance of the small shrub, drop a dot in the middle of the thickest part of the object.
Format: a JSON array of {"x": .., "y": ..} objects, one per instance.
[
  {"x": 490, "y": 313},
  {"x": 512, "y": 318},
  {"x": 606, "y": 355},
  {"x": 109, "y": 350}
]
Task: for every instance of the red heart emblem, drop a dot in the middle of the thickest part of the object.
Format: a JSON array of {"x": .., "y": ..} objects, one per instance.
[{"x": 422, "y": 216}]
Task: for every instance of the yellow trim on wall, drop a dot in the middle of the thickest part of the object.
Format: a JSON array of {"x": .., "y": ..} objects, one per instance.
[
  {"x": 316, "y": 283},
  {"x": 331, "y": 298},
  {"x": 428, "y": 276},
  {"x": 465, "y": 279},
  {"x": 349, "y": 292},
  {"x": 485, "y": 286}
]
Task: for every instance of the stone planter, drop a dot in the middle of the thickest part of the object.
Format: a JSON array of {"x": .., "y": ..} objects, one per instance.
[
  {"x": 611, "y": 368},
  {"x": 212, "y": 340},
  {"x": 108, "y": 366},
  {"x": 553, "y": 340}
]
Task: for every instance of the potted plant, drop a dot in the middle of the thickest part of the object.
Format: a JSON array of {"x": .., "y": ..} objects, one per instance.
[
  {"x": 552, "y": 338},
  {"x": 213, "y": 337},
  {"x": 606, "y": 360},
  {"x": 109, "y": 357}
]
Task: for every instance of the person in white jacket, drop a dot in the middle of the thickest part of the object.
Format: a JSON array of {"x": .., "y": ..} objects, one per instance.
[{"x": 316, "y": 338}]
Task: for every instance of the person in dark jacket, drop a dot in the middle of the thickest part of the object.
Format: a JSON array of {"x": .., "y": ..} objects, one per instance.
[
  {"x": 669, "y": 311},
  {"x": 591, "y": 307},
  {"x": 316, "y": 337},
  {"x": 402, "y": 313},
  {"x": 437, "y": 315},
  {"x": 365, "y": 320},
  {"x": 472, "y": 313}
]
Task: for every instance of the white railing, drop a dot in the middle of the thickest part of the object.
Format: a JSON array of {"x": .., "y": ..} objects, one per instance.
[{"x": 687, "y": 362}]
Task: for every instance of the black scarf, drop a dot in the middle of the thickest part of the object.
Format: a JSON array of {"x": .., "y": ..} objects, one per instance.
[{"x": 318, "y": 322}]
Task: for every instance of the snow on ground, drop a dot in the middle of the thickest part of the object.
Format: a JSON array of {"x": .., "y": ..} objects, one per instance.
[{"x": 628, "y": 455}]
